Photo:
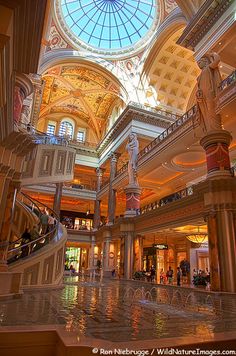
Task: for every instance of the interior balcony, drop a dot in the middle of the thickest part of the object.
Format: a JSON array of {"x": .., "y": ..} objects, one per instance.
[
  {"x": 176, "y": 152},
  {"x": 51, "y": 159},
  {"x": 72, "y": 191},
  {"x": 227, "y": 95}
]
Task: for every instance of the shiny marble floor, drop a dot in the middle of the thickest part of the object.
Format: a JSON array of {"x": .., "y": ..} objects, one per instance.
[{"x": 122, "y": 311}]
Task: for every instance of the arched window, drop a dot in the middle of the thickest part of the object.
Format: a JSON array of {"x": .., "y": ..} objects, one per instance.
[
  {"x": 66, "y": 129},
  {"x": 81, "y": 133},
  {"x": 51, "y": 128}
]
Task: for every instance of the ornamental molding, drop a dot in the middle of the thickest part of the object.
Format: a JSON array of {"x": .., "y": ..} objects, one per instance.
[
  {"x": 202, "y": 22},
  {"x": 134, "y": 113},
  {"x": 171, "y": 214}
]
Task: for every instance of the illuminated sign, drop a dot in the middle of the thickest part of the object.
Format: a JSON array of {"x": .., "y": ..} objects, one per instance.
[{"x": 160, "y": 246}]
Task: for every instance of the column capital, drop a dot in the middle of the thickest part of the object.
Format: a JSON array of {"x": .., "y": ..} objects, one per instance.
[
  {"x": 114, "y": 156},
  {"x": 99, "y": 171},
  {"x": 24, "y": 83}
]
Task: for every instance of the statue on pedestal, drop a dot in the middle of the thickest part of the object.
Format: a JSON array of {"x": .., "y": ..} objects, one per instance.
[
  {"x": 208, "y": 83},
  {"x": 132, "y": 147}
]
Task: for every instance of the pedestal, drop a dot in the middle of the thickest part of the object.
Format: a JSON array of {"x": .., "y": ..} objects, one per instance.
[
  {"x": 216, "y": 145},
  {"x": 133, "y": 192}
]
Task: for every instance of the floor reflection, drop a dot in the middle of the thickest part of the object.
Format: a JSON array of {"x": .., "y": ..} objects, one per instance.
[{"x": 100, "y": 311}]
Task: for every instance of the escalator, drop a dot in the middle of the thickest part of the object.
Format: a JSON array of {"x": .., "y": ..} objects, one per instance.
[{"x": 40, "y": 260}]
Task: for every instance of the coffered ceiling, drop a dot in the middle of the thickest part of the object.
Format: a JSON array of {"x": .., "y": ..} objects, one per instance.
[{"x": 173, "y": 74}]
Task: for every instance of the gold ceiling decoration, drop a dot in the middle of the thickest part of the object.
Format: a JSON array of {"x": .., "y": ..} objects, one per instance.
[{"x": 80, "y": 91}]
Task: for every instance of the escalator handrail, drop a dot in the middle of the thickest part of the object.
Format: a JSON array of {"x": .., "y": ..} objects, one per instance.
[
  {"x": 34, "y": 199},
  {"x": 41, "y": 237},
  {"x": 45, "y": 237}
]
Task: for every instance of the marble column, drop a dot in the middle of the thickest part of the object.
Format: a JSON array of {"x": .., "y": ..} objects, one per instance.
[
  {"x": 91, "y": 264},
  {"x": 128, "y": 255},
  {"x": 138, "y": 253},
  {"x": 221, "y": 211},
  {"x": 97, "y": 203},
  {"x": 112, "y": 192},
  {"x": 213, "y": 251},
  {"x": 106, "y": 253},
  {"x": 23, "y": 88},
  {"x": 57, "y": 198},
  {"x": 122, "y": 256}
]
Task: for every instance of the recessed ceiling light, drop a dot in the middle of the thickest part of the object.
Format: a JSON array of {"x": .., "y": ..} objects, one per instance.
[
  {"x": 187, "y": 148},
  {"x": 220, "y": 43}
]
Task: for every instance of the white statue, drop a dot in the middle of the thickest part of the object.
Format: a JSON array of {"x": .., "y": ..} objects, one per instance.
[
  {"x": 208, "y": 83},
  {"x": 132, "y": 147}
]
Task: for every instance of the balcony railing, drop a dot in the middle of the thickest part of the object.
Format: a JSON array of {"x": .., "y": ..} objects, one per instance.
[
  {"x": 164, "y": 113},
  {"x": 79, "y": 186},
  {"x": 158, "y": 140},
  {"x": 42, "y": 138},
  {"x": 83, "y": 144},
  {"x": 227, "y": 81},
  {"x": 167, "y": 200},
  {"x": 105, "y": 182}
]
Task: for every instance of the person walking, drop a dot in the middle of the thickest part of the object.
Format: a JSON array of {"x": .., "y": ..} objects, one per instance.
[
  {"x": 51, "y": 222},
  {"x": 25, "y": 239},
  {"x": 178, "y": 276},
  {"x": 44, "y": 222},
  {"x": 153, "y": 273},
  {"x": 162, "y": 276},
  {"x": 169, "y": 275}
]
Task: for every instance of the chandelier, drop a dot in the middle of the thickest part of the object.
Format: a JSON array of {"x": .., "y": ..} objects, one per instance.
[{"x": 197, "y": 237}]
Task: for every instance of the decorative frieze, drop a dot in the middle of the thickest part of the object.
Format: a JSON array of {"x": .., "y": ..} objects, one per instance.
[{"x": 202, "y": 22}]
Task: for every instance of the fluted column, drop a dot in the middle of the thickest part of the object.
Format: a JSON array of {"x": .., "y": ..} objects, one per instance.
[
  {"x": 97, "y": 203},
  {"x": 220, "y": 217},
  {"x": 138, "y": 253},
  {"x": 106, "y": 253},
  {"x": 57, "y": 198},
  {"x": 91, "y": 264},
  {"x": 23, "y": 88},
  {"x": 128, "y": 255},
  {"x": 112, "y": 192}
]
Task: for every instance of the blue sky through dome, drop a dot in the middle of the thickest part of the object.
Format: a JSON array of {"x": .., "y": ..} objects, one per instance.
[{"x": 109, "y": 24}]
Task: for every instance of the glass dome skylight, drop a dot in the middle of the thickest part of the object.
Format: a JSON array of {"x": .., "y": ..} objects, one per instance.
[{"x": 108, "y": 25}]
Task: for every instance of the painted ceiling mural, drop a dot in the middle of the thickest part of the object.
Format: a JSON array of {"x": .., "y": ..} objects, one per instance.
[{"x": 80, "y": 91}]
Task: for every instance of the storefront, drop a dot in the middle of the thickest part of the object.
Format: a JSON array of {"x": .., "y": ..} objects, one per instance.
[
  {"x": 149, "y": 258},
  {"x": 76, "y": 257}
]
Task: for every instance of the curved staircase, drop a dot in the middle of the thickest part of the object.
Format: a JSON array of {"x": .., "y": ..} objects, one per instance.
[{"x": 38, "y": 263}]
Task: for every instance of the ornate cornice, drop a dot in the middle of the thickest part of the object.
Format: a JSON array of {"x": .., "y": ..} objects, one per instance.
[
  {"x": 202, "y": 22},
  {"x": 139, "y": 113}
]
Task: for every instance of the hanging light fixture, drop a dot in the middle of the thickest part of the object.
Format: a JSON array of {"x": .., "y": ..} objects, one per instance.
[{"x": 197, "y": 237}]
